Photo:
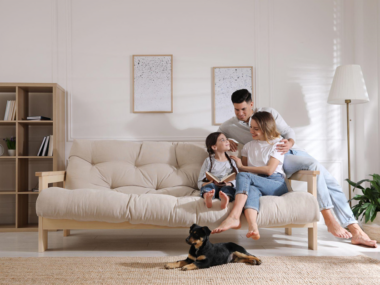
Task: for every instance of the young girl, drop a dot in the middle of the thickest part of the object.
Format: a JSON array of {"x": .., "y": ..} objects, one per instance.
[
  {"x": 264, "y": 174},
  {"x": 219, "y": 164}
]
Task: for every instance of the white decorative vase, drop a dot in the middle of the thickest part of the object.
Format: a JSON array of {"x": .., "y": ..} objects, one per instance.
[
  {"x": 372, "y": 229},
  {"x": 11, "y": 152}
]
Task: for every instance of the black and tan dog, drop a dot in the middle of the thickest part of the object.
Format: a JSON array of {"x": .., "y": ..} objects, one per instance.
[{"x": 204, "y": 254}]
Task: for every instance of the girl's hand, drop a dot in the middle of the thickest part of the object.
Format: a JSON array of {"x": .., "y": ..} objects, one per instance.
[
  {"x": 219, "y": 184},
  {"x": 239, "y": 164}
]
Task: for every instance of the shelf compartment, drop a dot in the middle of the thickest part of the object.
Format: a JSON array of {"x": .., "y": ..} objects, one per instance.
[
  {"x": 34, "y": 101},
  {"x": 8, "y": 211},
  {"x": 26, "y": 211},
  {"x": 28, "y": 168},
  {"x": 7, "y": 175},
  {"x": 30, "y": 138},
  {"x": 6, "y": 93},
  {"x": 7, "y": 131}
]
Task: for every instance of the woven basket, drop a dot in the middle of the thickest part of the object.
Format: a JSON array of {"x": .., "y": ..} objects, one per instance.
[{"x": 372, "y": 229}]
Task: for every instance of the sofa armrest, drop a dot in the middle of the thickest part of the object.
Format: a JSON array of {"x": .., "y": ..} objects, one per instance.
[
  {"x": 308, "y": 176},
  {"x": 44, "y": 178}
]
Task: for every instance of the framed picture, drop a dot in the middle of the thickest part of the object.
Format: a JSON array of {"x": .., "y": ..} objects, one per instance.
[
  {"x": 152, "y": 83},
  {"x": 226, "y": 80}
]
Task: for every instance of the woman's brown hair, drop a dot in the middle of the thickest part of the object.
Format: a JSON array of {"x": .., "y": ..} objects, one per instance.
[{"x": 267, "y": 125}]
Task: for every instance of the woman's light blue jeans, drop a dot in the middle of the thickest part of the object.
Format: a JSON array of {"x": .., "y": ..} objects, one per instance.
[
  {"x": 329, "y": 193},
  {"x": 255, "y": 186}
]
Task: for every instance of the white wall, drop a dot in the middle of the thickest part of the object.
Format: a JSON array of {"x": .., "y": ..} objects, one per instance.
[{"x": 294, "y": 46}]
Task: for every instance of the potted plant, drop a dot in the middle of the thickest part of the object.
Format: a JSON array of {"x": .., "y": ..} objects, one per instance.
[
  {"x": 11, "y": 144},
  {"x": 368, "y": 206}
]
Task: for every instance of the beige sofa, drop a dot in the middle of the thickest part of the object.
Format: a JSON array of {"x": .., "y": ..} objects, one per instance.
[{"x": 129, "y": 185}]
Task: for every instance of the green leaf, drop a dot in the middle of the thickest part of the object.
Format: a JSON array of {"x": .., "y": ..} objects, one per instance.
[
  {"x": 376, "y": 177},
  {"x": 374, "y": 184},
  {"x": 373, "y": 216},
  {"x": 368, "y": 213},
  {"x": 356, "y": 185}
]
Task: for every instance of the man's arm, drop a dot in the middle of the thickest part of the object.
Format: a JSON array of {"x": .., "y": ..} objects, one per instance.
[{"x": 284, "y": 129}]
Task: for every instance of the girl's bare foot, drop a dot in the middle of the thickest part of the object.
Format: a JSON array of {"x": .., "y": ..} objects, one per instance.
[
  {"x": 229, "y": 223},
  {"x": 336, "y": 230},
  {"x": 253, "y": 232},
  {"x": 208, "y": 198},
  {"x": 224, "y": 199}
]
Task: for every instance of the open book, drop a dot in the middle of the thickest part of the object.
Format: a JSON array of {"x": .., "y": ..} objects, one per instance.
[{"x": 227, "y": 178}]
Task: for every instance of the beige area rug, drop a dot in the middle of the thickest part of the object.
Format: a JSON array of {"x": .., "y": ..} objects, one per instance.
[{"x": 136, "y": 270}]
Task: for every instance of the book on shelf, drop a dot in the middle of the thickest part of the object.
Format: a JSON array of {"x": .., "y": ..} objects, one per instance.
[
  {"x": 38, "y": 118},
  {"x": 227, "y": 178},
  {"x": 46, "y": 148},
  {"x": 50, "y": 151},
  {"x": 41, "y": 147},
  {"x": 10, "y": 110},
  {"x": 44, "y": 152}
]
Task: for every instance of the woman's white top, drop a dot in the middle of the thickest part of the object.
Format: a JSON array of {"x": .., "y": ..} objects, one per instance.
[
  {"x": 219, "y": 169},
  {"x": 258, "y": 153}
]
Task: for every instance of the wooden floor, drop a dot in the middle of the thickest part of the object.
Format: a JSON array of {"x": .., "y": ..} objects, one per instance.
[{"x": 273, "y": 242}]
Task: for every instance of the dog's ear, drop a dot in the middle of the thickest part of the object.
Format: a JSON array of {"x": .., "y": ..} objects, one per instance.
[
  {"x": 206, "y": 231},
  {"x": 193, "y": 226}
]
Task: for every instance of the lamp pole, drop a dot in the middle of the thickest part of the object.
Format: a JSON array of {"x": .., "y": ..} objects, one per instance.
[{"x": 348, "y": 147}]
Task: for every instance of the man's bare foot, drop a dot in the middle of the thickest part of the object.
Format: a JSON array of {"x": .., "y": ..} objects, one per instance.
[
  {"x": 359, "y": 237},
  {"x": 229, "y": 223},
  {"x": 337, "y": 231},
  {"x": 208, "y": 198},
  {"x": 253, "y": 232},
  {"x": 224, "y": 199}
]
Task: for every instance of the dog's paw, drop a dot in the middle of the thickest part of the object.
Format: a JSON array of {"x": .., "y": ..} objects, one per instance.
[
  {"x": 191, "y": 266},
  {"x": 256, "y": 261},
  {"x": 171, "y": 265}
]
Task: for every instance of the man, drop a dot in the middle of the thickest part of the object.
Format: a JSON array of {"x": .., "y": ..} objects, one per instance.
[{"x": 330, "y": 195}]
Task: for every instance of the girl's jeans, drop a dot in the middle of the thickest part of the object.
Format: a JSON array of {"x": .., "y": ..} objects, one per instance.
[
  {"x": 329, "y": 192},
  {"x": 228, "y": 190},
  {"x": 255, "y": 186}
]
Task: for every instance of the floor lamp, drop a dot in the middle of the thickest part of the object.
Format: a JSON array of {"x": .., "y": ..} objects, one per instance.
[{"x": 348, "y": 87}]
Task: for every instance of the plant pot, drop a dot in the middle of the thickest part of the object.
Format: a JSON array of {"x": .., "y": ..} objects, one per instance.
[
  {"x": 11, "y": 152},
  {"x": 372, "y": 229}
]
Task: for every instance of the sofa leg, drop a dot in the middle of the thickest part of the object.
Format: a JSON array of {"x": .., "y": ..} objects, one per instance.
[
  {"x": 313, "y": 237},
  {"x": 66, "y": 233},
  {"x": 288, "y": 231},
  {"x": 42, "y": 236}
]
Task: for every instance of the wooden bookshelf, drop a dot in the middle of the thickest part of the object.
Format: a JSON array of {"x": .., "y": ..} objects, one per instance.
[{"x": 32, "y": 99}]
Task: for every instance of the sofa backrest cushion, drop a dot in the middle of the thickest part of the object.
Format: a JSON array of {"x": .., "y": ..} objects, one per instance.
[{"x": 113, "y": 164}]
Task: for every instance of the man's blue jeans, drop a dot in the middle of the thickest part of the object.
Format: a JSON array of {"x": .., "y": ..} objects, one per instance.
[
  {"x": 329, "y": 194},
  {"x": 255, "y": 186},
  {"x": 228, "y": 190}
]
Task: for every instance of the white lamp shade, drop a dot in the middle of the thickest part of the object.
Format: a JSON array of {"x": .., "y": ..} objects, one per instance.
[{"x": 348, "y": 84}]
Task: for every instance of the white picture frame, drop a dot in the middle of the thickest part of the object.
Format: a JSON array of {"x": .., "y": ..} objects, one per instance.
[
  {"x": 227, "y": 80},
  {"x": 152, "y": 77}
]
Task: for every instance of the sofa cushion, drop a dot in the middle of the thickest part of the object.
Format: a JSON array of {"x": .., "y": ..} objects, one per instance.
[
  {"x": 148, "y": 165},
  {"x": 166, "y": 210}
]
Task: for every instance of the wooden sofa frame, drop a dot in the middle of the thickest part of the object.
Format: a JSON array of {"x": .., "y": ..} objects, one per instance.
[{"x": 45, "y": 224}]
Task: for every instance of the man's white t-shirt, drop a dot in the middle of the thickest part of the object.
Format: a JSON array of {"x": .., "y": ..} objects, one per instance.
[{"x": 258, "y": 153}]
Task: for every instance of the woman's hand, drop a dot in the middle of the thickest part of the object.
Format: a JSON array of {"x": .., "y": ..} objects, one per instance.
[
  {"x": 239, "y": 164},
  {"x": 284, "y": 148}
]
